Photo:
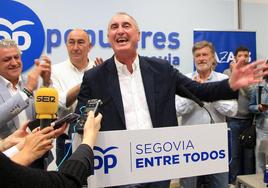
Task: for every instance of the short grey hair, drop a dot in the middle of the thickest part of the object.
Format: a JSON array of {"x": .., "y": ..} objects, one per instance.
[
  {"x": 9, "y": 43},
  {"x": 83, "y": 30},
  {"x": 202, "y": 44},
  {"x": 125, "y": 14}
]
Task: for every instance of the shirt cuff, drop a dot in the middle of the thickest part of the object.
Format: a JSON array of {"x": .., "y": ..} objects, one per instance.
[
  {"x": 11, "y": 151},
  {"x": 62, "y": 99},
  {"x": 23, "y": 95}
]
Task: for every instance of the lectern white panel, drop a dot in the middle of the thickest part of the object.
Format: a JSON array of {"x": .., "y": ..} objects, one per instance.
[{"x": 126, "y": 157}]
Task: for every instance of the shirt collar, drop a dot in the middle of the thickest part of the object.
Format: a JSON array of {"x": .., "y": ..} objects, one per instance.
[
  {"x": 195, "y": 74},
  {"x": 7, "y": 83},
  {"x": 122, "y": 68},
  {"x": 89, "y": 66}
]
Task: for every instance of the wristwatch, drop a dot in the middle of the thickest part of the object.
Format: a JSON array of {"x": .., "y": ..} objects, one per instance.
[{"x": 28, "y": 93}]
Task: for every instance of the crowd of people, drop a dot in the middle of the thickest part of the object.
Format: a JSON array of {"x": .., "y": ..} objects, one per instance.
[{"x": 146, "y": 93}]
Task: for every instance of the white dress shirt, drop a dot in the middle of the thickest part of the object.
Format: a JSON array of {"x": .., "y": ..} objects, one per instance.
[
  {"x": 192, "y": 114},
  {"x": 64, "y": 77},
  {"x": 135, "y": 105},
  {"x": 11, "y": 151}
]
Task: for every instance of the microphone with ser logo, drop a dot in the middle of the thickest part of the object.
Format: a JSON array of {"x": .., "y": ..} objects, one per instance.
[{"x": 46, "y": 105}]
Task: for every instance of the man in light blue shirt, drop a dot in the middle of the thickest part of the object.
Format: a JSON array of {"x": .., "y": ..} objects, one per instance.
[{"x": 192, "y": 114}]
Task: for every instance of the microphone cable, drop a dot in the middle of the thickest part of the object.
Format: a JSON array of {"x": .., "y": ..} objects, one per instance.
[
  {"x": 71, "y": 143},
  {"x": 210, "y": 116},
  {"x": 197, "y": 101},
  {"x": 68, "y": 151}
]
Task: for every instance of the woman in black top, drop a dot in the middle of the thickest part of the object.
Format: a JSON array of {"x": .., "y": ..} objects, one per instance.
[{"x": 71, "y": 174}]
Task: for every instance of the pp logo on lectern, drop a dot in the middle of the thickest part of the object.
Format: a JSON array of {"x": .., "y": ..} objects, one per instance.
[
  {"x": 107, "y": 161},
  {"x": 25, "y": 28}
]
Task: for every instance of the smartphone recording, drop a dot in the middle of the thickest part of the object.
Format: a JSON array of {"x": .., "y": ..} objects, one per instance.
[{"x": 69, "y": 118}]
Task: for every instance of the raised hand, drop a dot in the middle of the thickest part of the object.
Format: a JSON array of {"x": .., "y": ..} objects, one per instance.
[
  {"x": 91, "y": 129},
  {"x": 98, "y": 61},
  {"x": 45, "y": 69},
  {"x": 244, "y": 75}
]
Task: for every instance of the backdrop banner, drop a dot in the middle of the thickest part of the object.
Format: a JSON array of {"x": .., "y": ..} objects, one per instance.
[
  {"x": 136, "y": 156},
  {"x": 226, "y": 42}
]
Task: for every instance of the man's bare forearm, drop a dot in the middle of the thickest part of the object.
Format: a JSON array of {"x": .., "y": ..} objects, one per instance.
[{"x": 72, "y": 95}]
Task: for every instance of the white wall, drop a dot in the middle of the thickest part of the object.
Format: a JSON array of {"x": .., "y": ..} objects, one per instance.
[{"x": 254, "y": 17}]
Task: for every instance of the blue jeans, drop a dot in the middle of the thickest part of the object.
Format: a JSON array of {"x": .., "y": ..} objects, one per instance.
[
  {"x": 242, "y": 159},
  {"x": 260, "y": 153},
  {"x": 219, "y": 180}
]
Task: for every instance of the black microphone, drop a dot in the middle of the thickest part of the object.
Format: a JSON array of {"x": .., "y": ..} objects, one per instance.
[
  {"x": 259, "y": 94},
  {"x": 189, "y": 95}
]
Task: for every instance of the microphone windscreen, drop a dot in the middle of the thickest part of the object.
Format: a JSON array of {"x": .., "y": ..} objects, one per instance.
[{"x": 46, "y": 103}]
